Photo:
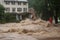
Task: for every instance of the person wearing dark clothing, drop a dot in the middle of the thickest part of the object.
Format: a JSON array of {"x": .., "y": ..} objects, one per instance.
[{"x": 56, "y": 19}]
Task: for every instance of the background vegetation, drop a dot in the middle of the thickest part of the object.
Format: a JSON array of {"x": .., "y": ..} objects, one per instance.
[{"x": 46, "y": 8}]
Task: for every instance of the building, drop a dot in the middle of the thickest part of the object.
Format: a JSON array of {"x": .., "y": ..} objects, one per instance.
[{"x": 15, "y": 6}]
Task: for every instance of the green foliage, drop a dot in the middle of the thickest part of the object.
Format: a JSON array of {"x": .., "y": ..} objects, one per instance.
[
  {"x": 2, "y": 8},
  {"x": 2, "y": 15},
  {"x": 10, "y": 17},
  {"x": 37, "y": 5},
  {"x": 42, "y": 6}
]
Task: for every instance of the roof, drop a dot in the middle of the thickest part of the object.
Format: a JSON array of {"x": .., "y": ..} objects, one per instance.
[{"x": 17, "y": 0}]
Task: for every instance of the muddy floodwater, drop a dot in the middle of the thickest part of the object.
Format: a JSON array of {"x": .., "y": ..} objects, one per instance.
[{"x": 29, "y": 31}]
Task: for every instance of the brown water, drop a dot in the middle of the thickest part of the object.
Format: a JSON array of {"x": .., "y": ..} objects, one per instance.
[{"x": 38, "y": 32}]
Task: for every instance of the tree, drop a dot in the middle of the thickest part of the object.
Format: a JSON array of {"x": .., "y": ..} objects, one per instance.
[
  {"x": 47, "y": 8},
  {"x": 56, "y": 9},
  {"x": 2, "y": 13},
  {"x": 37, "y": 5}
]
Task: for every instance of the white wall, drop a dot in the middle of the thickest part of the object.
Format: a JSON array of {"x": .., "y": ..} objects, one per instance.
[{"x": 14, "y": 6}]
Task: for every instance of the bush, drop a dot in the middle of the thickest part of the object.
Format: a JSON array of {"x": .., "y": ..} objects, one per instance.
[
  {"x": 10, "y": 17},
  {"x": 2, "y": 18},
  {"x": 2, "y": 14}
]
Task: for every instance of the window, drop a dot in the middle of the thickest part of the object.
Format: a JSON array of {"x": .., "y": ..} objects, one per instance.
[
  {"x": 24, "y": 3},
  {"x": 19, "y": 3},
  {"x": 13, "y": 3},
  {"x": 7, "y": 9},
  {"x": 19, "y": 9},
  {"x": 25, "y": 9},
  {"x": 7, "y": 2},
  {"x": 13, "y": 9}
]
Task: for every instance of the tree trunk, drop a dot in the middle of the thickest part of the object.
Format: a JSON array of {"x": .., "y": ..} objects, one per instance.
[{"x": 56, "y": 16}]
